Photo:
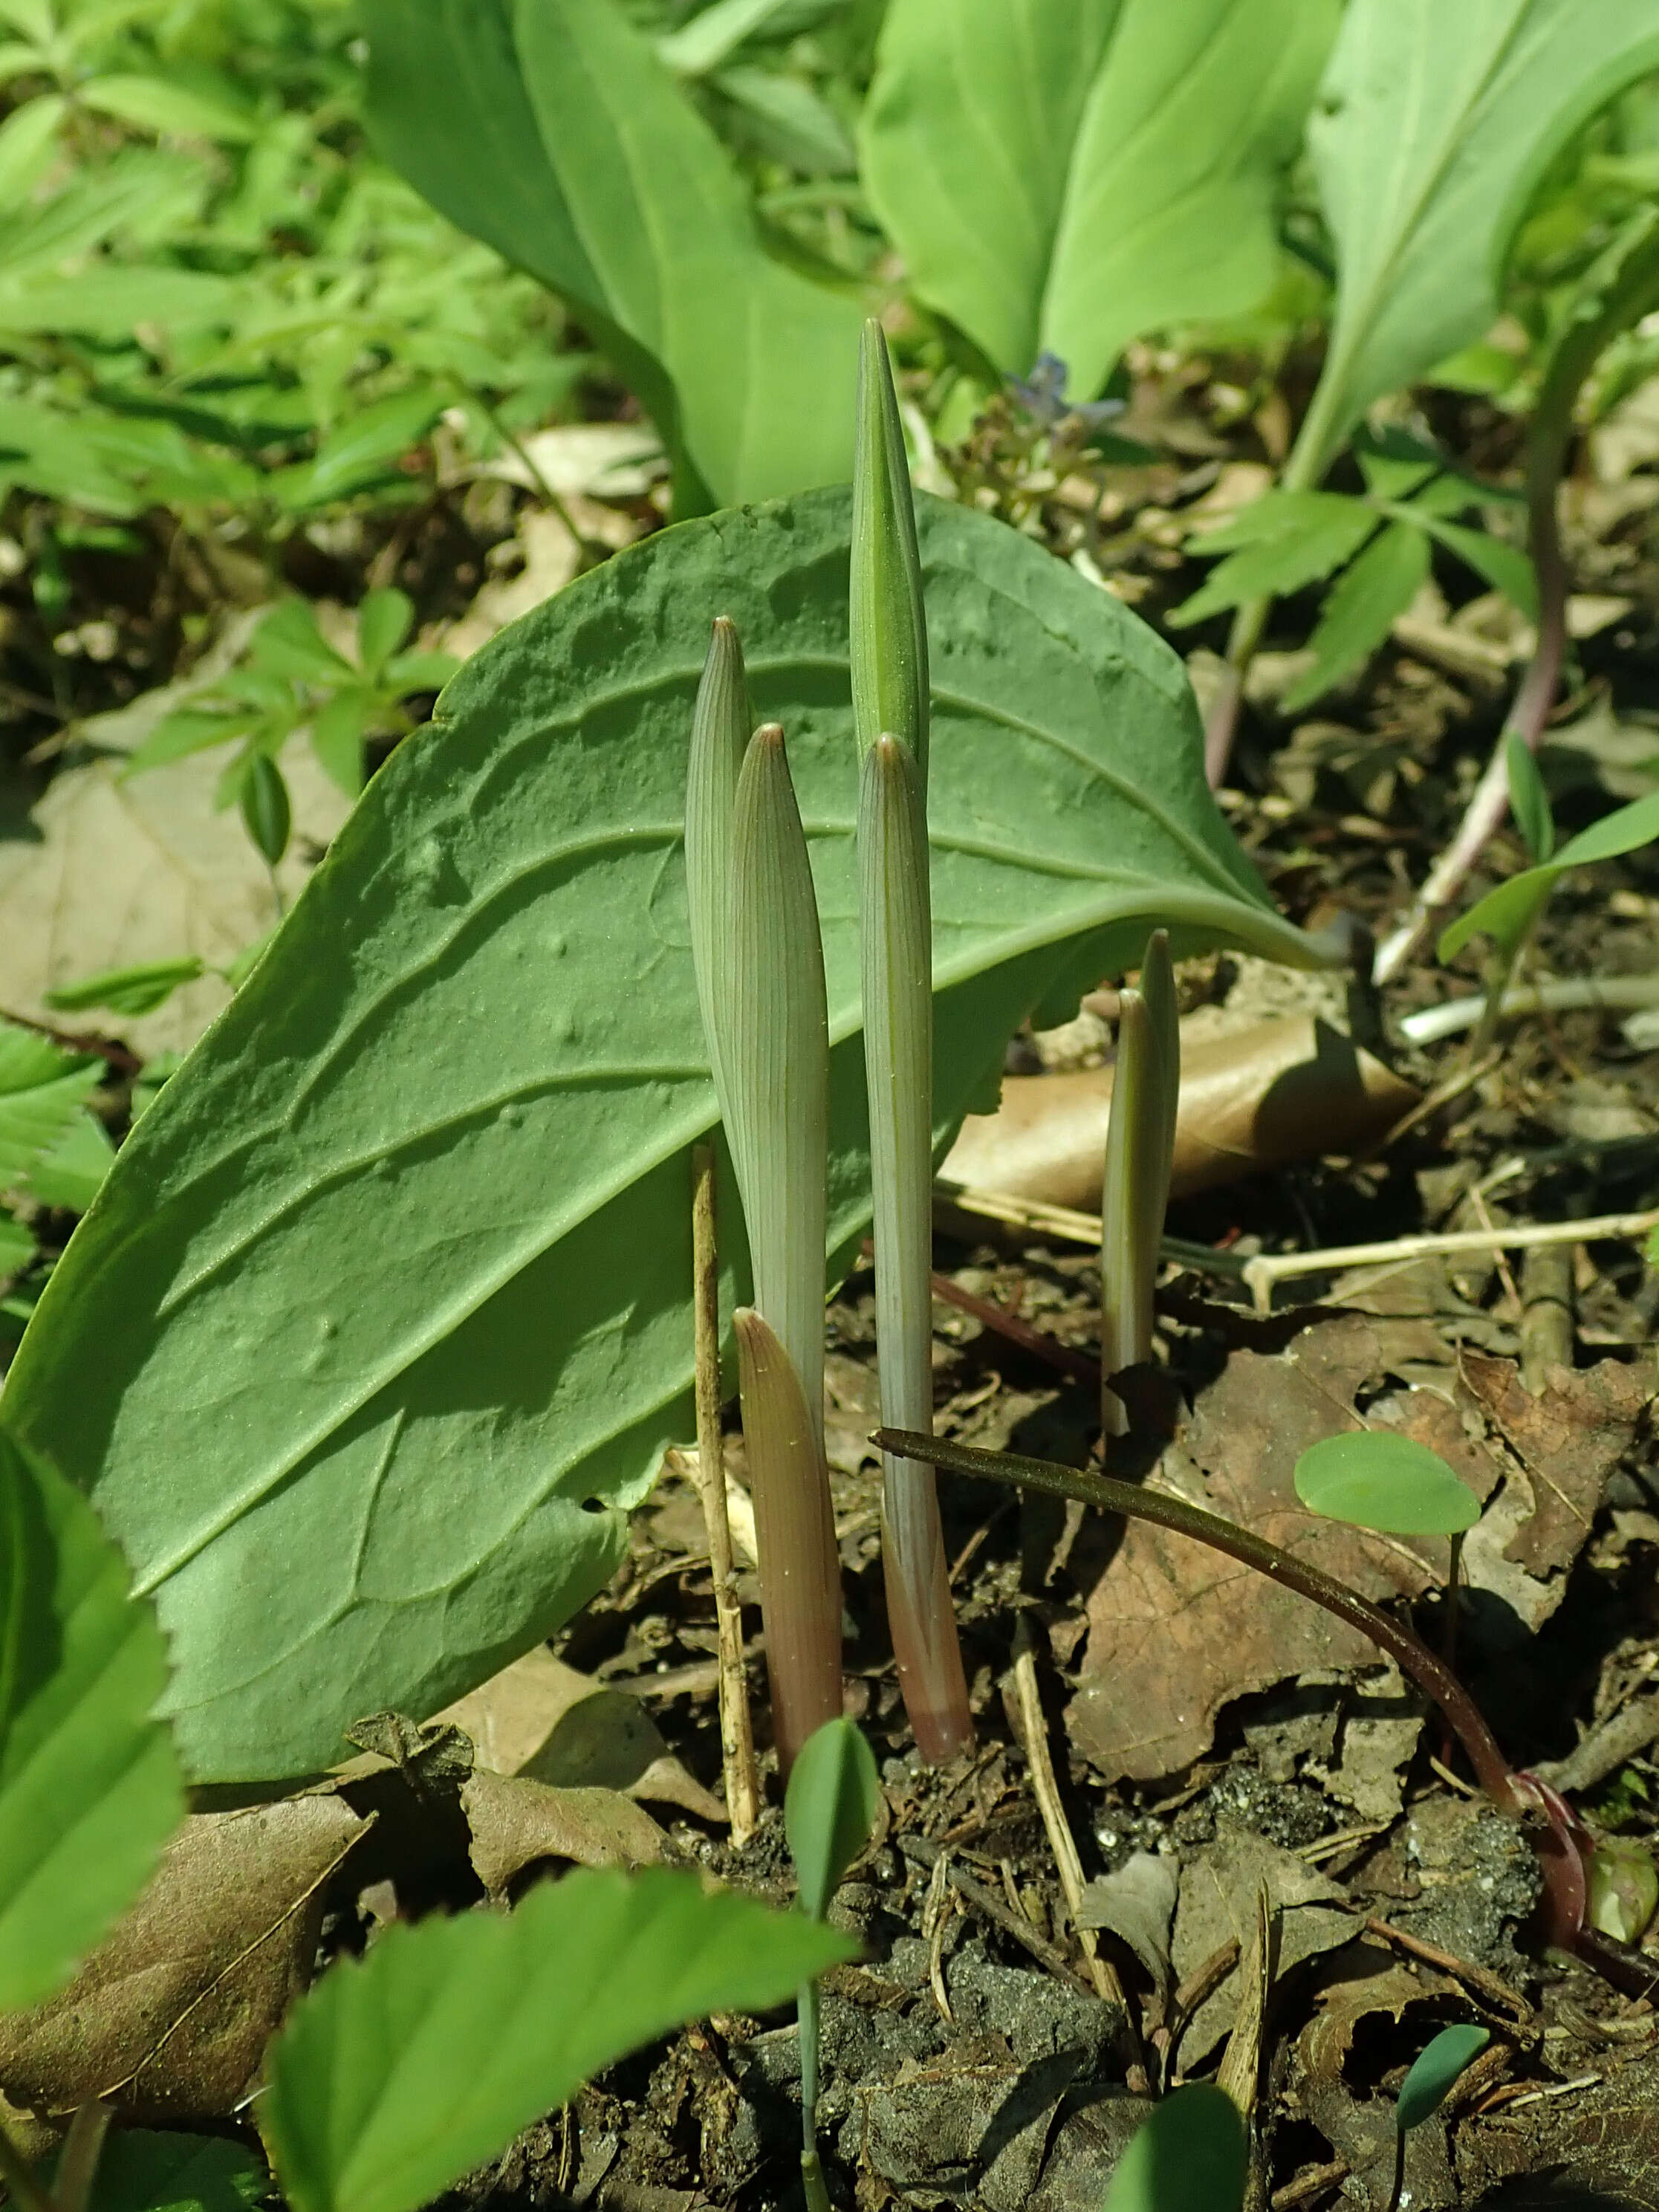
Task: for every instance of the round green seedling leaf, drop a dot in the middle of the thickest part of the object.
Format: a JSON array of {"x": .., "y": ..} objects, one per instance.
[
  {"x": 89, "y": 1785},
  {"x": 1426, "y": 2087},
  {"x": 830, "y": 1809},
  {"x": 1190, "y": 2157},
  {"x": 1378, "y": 1481}
]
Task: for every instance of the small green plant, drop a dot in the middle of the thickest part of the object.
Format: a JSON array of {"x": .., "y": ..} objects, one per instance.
[
  {"x": 1192, "y": 2155},
  {"x": 397, "y": 2072},
  {"x": 830, "y": 1815},
  {"x": 1433, "y": 2076},
  {"x": 292, "y": 679},
  {"x": 1376, "y": 1480}
]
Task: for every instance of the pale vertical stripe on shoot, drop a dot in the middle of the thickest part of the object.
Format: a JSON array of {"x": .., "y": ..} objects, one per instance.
[
  {"x": 897, "y": 946},
  {"x": 719, "y": 735},
  {"x": 777, "y": 1048}
]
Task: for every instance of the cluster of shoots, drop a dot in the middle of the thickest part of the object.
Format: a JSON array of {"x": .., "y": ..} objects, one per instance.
[{"x": 759, "y": 961}]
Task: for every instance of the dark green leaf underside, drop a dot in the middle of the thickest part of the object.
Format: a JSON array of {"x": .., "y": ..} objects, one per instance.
[{"x": 391, "y": 1281}]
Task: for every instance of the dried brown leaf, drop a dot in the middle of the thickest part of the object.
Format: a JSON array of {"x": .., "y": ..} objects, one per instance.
[
  {"x": 169, "y": 2018},
  {"x": 515, "y": 1822}
]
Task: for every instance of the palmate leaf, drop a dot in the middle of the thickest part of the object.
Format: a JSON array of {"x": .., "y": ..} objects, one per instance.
[
  {"x": 401, "y": 2070},
  {"x": 1063, "y": 174},
  {"x": 551, "y": 128},
  {"x": 1431, "y": 128},
  {"x": 1278, "y": 543},
  {"x": 89, "y": 1788},
  {"x": 392, "y": 1278},
  {"x": 1361, "y": 607}
]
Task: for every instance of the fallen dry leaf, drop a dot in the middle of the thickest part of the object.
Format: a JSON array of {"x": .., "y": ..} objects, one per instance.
[
  {"x": 1283, "y": 1090},
  {"x": 170, "y": 2016},
  {"x": 122, "y": 874},
  {"x": 1568, "y": 1439},
  {"x": 1363, "y": 1983},
  {"x": 542, "y": 1718},
  {"x": 1137, "y": 1904},
  {"x": 515, "y": 1822},
  {"x": 1174, "y": 1629},
  {"x": 1594, "y": 2148},
  {"x": 1219, "y": 1890}
]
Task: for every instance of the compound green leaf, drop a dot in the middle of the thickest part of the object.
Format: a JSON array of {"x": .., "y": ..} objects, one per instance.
[
  {"x": 1376, "y": 1480},
  {"x": 1302, "y": 535},
  {"x": 403, "y": 2070},
  {"x": 1190, "y": 2156},
  {"x": 552, "y": 130},
  {"x": 89, "y": 1788},
  {"x": 392, "y": 1280},
  {"x": 1361, "y": 608},
  {"x": 1432, "y": 126},
  {"x": 43, "y": 1090},
  {"x": 1063, "y": 174}
]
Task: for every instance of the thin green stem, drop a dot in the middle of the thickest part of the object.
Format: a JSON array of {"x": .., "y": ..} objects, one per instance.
[
  {"x": 812, "y": 2173},
  {"x": 1428, "y": 1671}
]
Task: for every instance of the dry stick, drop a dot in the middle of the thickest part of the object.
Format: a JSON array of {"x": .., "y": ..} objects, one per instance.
[
  {"x": 737, "y": 1733},
  {"x": 1046, "y": 1787},
  {"x": 991, "y": 1907},
  {"x": 1554, "y": 994},
  {"x": 1072, "y": 1227},
  {"x": 1141, "y": 1502},
  {"x": 1270, "y": 1268}
]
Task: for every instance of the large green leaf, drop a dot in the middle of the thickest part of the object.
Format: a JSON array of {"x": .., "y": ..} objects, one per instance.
[
  {"x": 1432, "y": 126},
  {"x": 392, "y": 1280},
  {"x": 1062, "y": 174},
  {"x": 553, "y": 130},
  {"x": 89, "y": 1788},
  {"x": 401, "y": 2072}
]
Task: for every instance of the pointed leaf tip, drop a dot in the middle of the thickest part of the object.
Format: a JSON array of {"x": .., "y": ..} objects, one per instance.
[
  {"x": 830, "y": 1809},
  {"x": 887, "y": 621}
]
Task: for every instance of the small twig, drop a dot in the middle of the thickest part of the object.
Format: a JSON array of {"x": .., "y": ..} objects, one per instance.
[
  {"x": 1268, "y": 1268},
  {"x": 1241, "y": 2064},
  {"x": 94, "y": 1046},
  {"x": 1072, "y": 1227},
  {"x": 990, "y": 1906},
  {"x": 737, "y": 1730},
  {"x": 1496, "y": 1994},
  {"x": 1566, "y": 994},
  {"x": 1046, "y": 1787},
  {"x": 1078, "y": 1365},
  {"x": 1606, "y": 1748}
]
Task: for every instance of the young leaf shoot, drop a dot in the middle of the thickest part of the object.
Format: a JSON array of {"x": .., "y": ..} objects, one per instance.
[
  {"x": 890, "y": 708},
  {"x": 1140, "y": 1156}
]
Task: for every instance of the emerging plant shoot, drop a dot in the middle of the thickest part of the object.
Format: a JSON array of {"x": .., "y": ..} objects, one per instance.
[
  {"x": 761, "y": 982},
  {"x": 891, "y": 713},
  {"x": 1140, "y": 1155}
]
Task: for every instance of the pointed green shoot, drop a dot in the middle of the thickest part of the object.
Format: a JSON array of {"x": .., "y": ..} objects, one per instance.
[
  {"x": 775, "y": 1048},
  {"x": 1529, "y": 801},
  {"x": 795, "y": 1536},
  {"x": 1139, "y": 1154},
  {"x": 888, "y": 627},
  {"x": 719, "y": 735},
  {"x": 897, "y": 949}
]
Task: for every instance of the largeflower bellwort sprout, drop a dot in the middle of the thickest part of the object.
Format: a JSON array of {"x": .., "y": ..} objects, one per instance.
[
  {"x": 1140, "y": 1156},
  {"x": 760, "y": 983},
  {"x": 889, "y": 642}
]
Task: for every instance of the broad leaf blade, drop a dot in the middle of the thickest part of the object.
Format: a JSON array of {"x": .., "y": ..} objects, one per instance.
[
  {"x": 1376, "y": 1480},
  {"x": 89, "y": 1788},
  {"x": 553, "y": 130},
  {"x": 1431, "y": 128},
  {"x": 393, "y": 1278},
  {"x": 403, "y": 2070},
  {"x": 1063, "y": 174},
  {"x": 1190, "y": 2156}
]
